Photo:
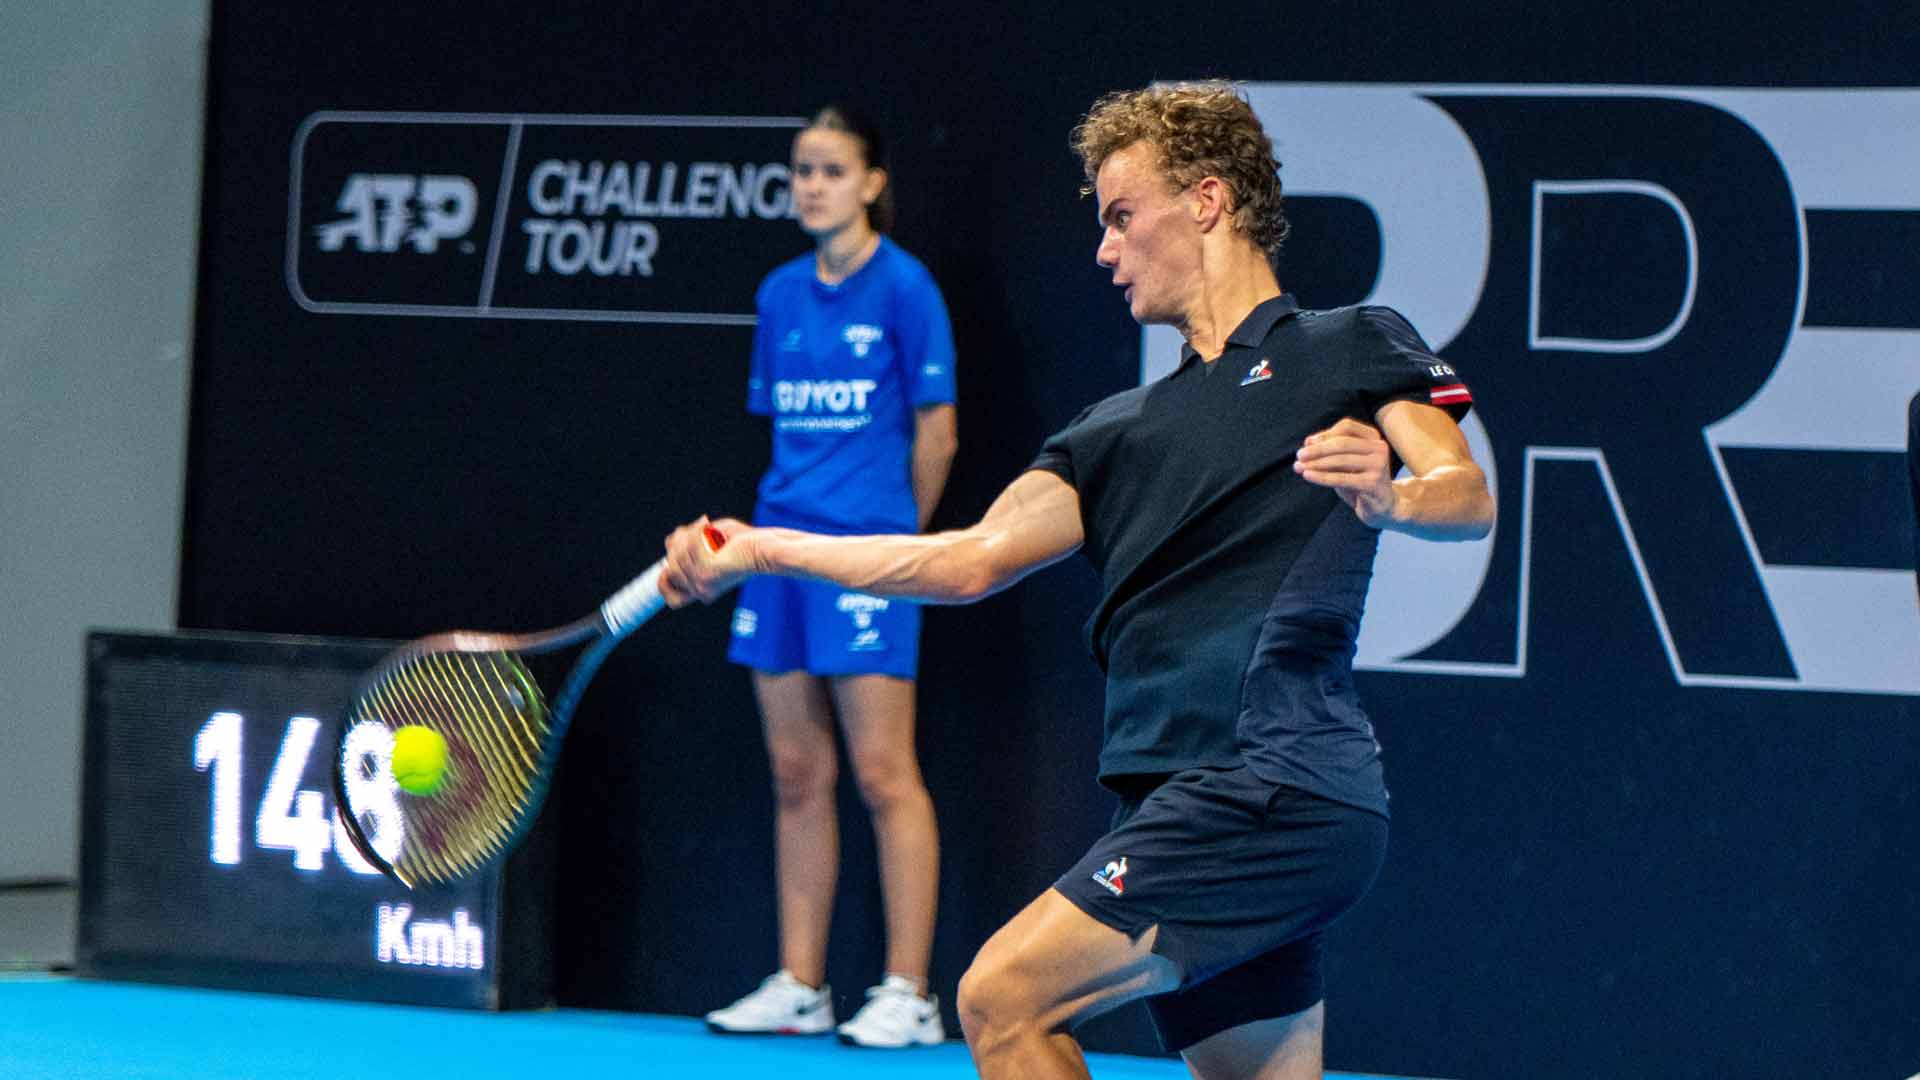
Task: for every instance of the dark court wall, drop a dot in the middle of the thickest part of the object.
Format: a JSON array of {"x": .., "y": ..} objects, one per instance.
[{"x": 1647, "y": 820}]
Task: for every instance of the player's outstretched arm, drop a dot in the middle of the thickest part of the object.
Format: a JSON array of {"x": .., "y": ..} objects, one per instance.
[
  {"x": 1445, "y": 496},
  {"x": 1034, "y": 522}
]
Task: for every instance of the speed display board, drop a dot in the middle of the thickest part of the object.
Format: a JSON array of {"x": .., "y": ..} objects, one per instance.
[{"x": 210, "y": 851}]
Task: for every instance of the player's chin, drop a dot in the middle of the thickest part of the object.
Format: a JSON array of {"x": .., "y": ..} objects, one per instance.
[{"x": 1147, "y": 316}]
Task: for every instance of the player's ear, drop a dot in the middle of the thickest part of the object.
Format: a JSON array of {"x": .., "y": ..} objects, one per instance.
[{"x": 1210, "y": 201}]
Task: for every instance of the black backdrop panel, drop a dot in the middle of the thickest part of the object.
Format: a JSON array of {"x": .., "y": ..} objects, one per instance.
[{"x": 1646, "y": 819}]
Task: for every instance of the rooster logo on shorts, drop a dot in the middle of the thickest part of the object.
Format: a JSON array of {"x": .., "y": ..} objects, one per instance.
[{"x": 1113, "y": 876}]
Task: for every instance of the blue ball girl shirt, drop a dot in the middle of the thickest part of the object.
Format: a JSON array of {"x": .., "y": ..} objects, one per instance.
[{"x": 840, "y": 370}]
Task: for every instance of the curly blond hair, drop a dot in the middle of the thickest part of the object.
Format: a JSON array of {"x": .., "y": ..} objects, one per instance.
[{"x": 1199, "y": 130}]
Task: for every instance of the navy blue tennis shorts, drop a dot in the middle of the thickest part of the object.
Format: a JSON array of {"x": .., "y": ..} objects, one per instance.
[
  {"x": 782, "y": 624},
  {"x": 1241, "y": 876}
]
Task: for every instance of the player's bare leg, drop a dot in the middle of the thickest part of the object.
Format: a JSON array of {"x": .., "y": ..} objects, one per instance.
[
  {"x": 1283, "y": 1048},
  {"x": 797, "y": 717},
  {"x": 877, "y": 713},
  {"x": 1049, "y": 967}
]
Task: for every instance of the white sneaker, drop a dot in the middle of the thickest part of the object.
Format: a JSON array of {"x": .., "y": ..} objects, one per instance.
[
  {"x": 783, "y": 1005},
  {"x": 894, "y": 1016}
]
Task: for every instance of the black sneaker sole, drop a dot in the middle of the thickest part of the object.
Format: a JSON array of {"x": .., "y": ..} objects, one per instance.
[
  {"x": 718, "y": 1030},
  {"x": 848, "y": 1040}
]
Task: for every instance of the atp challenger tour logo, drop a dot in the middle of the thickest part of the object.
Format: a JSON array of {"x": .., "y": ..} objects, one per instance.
[
  {"x": 1676, "y": 309},
  {"x": 606, "y": 218},
  {"x": 386, "y": 212}
]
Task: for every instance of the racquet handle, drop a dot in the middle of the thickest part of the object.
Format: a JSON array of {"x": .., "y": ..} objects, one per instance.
[{"x": 640, "y": 599}]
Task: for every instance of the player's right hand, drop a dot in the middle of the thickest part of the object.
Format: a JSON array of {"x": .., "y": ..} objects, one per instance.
[{"x": 699, "y": 569}]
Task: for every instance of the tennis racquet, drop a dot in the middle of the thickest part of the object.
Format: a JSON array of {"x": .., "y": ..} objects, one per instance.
[{"x": 502, "y": 702}]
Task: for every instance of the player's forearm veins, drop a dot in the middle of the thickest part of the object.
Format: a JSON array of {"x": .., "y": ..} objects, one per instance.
[{"x": 1035, "y": 522}]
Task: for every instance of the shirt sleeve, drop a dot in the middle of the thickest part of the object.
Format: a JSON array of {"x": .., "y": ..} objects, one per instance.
[
  {"x": 926, "y": 342},
  {"x": 759, "y": 392},
  {"x": 1395, "y": 364},
  {"x": 1056, "y": 454}
]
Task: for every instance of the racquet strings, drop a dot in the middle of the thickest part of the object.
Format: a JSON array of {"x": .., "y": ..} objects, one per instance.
[{"x": 492, "y": 714}]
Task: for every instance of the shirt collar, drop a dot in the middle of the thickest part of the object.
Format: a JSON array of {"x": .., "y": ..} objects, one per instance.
[{"x": 1254, "y": 328}]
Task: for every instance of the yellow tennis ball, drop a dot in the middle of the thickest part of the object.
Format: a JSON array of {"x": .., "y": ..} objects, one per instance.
[{"x": 419, "y": 759}]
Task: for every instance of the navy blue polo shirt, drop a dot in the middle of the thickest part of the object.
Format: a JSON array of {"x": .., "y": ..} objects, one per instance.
[{"x": 1232, "y": 588}]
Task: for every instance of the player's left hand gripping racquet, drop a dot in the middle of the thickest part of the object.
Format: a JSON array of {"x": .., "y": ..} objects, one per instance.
[{"x": 502, "y": 702}]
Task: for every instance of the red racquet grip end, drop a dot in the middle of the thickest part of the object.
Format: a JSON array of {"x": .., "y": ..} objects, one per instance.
[{"x": 715, "y": 538}]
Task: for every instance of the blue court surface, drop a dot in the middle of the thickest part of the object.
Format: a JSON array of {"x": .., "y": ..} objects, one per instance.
[{"x": 54, "y": 1028}]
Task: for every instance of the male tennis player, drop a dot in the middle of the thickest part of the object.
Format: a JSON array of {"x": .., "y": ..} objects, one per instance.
[{"x": 1232, "y": 510}]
